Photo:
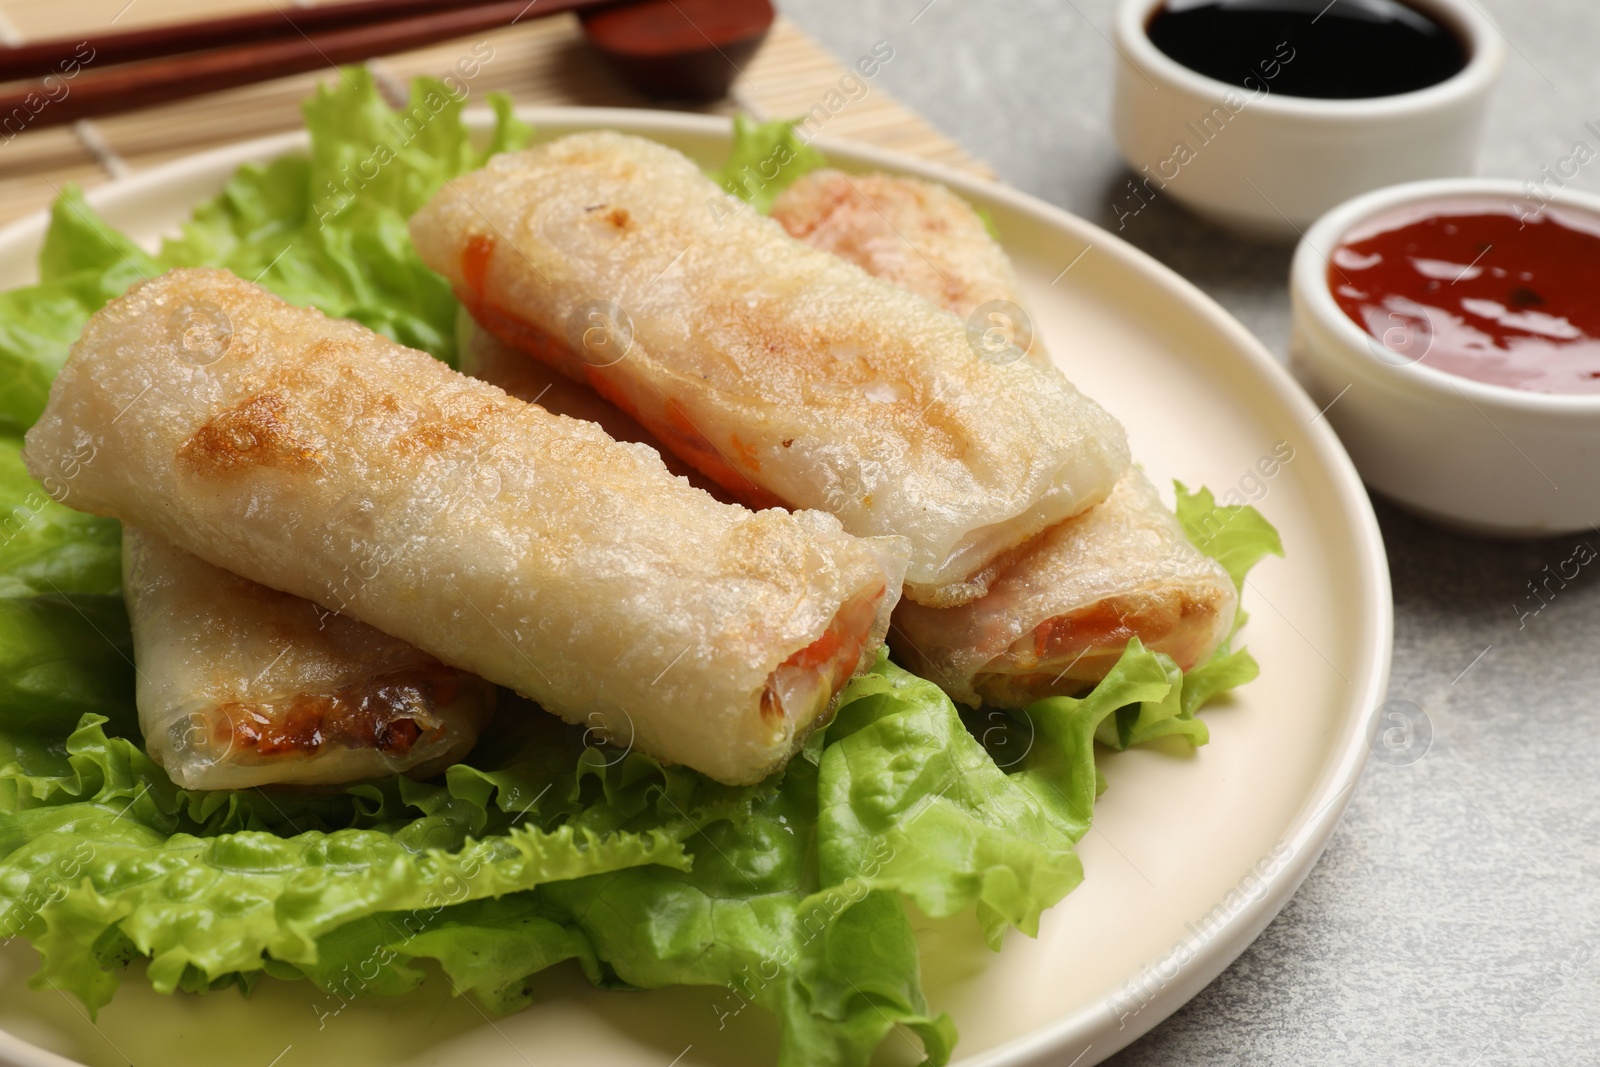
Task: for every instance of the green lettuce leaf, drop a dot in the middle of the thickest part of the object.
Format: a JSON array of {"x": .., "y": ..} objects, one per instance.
[
  {"x": 65, "y": 650},
  {"x": 83, "y": 264},
  {"x": 61, "y": 657},
  {"x": 329, "y": 230},
  {"x": 1236, "y": 536},
  {"x": 839, "y": 976},
  {"x": 490, "y": 948},
  {"x": 749, "y": 917},
  {"x": 100, "y": 847},
  {"x": 46, "y": 547},
  {"x": 96, "y": 864},
  {"x": 220, "y": 904},
  {"x": 1059, "y": 766},
  {"x": 910, "y": 800},
  {"x": 766, "y": 158}
]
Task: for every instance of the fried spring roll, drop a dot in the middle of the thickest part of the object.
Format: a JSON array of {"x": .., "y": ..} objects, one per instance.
[
  {"x": 918, "y": 235},
  {"x": 316, "y": 457},
  {"x": 1059, "y": 611},
  {"x": 782, "y": 372},
  {"x": 241, "y": 685}
]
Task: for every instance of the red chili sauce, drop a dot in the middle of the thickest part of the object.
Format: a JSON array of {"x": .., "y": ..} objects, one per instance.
[{"x": 1480, "y": 288}]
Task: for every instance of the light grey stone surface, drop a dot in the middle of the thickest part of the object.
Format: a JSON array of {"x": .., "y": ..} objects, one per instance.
[{"x": 1455, "y": 918}]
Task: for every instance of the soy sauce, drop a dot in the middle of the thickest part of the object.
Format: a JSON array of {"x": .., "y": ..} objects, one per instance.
[{"x": 1342, "y": 50}]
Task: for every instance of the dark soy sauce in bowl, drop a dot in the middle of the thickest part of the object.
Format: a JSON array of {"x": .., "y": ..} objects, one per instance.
[{"x": 1344, "y": 50}]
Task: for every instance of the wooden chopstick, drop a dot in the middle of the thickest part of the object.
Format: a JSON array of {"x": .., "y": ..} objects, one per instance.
[
  {"x": 129, "y": 87},
  {"x": 38, "y": 59}
]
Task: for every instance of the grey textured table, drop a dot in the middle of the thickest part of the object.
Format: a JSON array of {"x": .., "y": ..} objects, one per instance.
[{"x": 1455, "y": 918}]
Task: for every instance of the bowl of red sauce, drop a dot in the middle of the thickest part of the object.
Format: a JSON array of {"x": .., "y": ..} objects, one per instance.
[{"x": 1450, "y": 332}]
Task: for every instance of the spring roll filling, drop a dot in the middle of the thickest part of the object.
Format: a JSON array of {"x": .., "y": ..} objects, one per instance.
[
  {"x": 803, "y": 688},
  {"x": 1079, "y": 647},
  {"x": 981, "y": 546},
  {"x": 393, "y": 715}
]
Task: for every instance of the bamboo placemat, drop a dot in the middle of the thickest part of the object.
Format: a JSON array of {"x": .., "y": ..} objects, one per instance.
[{"x": 540, "y": 62}]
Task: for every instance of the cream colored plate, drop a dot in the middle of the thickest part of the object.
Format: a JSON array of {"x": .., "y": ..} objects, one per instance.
[{"x": 1190, "y": 856}]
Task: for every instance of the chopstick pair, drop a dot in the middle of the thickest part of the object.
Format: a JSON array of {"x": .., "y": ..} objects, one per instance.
[{"x": 688, "y": 48}]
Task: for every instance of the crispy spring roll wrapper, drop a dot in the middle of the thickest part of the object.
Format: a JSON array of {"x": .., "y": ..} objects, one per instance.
[
  {"x": 917, "y": 234},
  {"x": 782, "y": 372},
  {"x": 1059, "y": 611},
  {"x": 241, "y": 685},
  {"x": 316, "y": 457},
  {"x": 483, "y": 355}
]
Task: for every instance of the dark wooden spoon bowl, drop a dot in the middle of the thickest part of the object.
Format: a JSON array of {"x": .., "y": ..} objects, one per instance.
[{"x": 680, "y": 49}]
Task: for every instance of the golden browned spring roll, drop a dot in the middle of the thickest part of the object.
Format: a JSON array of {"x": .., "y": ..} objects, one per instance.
[
  {"x": 784, "y": 373},
  {"x": 241, "y": 685},
  {"x": 316, "y": 457},
  {"x": 1060, "y": 610},
  {"x": 917, "y": 234}
]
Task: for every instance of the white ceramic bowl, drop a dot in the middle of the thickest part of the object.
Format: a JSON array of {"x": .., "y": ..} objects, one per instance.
[
  {"x": 1488, "y": 458},
  {"x": 1274, "y": 163}
]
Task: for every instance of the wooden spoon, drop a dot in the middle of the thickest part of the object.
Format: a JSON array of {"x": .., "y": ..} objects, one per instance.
[{"x": 679, "y": 49}]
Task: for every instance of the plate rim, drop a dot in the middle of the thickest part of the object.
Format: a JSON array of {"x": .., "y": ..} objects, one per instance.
[{"x": 1307, "y": 832}]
